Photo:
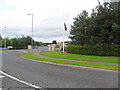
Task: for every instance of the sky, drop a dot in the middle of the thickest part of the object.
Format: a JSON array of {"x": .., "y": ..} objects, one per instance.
[{"x": 48, "y": 17}]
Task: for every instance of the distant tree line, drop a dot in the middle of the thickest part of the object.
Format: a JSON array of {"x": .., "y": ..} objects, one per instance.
[
  {"x": 22, "y": 42},
  {"x": 19, "y": 43},
  {"x": 102, "y": 27}
]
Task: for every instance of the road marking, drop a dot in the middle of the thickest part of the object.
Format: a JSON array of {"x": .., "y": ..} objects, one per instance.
[
  {"x": 2, "y": 76},
  {"x": 21, "y": 81}
]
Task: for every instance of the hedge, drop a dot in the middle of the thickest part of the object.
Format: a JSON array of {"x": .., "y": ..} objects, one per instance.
[
  {"x": 103, "y": 50},
  {"x": 18, "y": 48}
]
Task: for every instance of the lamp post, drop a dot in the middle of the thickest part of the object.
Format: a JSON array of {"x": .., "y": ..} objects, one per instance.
[
  {"x": 0, "y": 40},
  {"x": 4, "y": 39},
  {"x": 32, "y": 30}
]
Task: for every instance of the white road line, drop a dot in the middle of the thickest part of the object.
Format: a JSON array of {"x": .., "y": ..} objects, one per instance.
[
  {"x": 21, "y": 81},
  {"x": 2, "y": 76}
]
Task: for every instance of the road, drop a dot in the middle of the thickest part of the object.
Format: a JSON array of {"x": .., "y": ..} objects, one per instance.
[{"x": 51, "y": 76}]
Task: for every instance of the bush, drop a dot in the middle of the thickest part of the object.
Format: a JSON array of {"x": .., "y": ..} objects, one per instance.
[
  {"x": 103, "y": 50},
  {"x": 18, "y": 48}
]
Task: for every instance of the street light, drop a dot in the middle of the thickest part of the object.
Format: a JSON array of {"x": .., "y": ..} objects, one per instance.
[
  {"x": 32, "y": 30},
  {"x": 0, "y": 40},
  {"x": 5, "y": 40}
]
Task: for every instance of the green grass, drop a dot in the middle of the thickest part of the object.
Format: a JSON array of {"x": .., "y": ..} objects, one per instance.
[
  {"x": 3, "y": 49},
  {"x": 108, "y": 59},
  {"x": 30, "y": 55}
]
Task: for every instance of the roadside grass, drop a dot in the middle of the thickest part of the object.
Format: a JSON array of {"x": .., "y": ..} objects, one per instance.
[
  {"x": 30, "y": 55},
  {"x": 3, "y": 49},
  {"x": 108, "y": 59}
]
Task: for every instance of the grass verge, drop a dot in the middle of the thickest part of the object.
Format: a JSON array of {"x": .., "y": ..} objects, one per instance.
[
  {"x": 108, "y": 59},
  {"x": 3, "y": 49},
  {"x": 30, "y": 55}
]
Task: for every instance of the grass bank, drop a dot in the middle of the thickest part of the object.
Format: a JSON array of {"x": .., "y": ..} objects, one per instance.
[
  {"x": 30, "y": 55},
  {"x": 108, "y": 59},
  {"x": 3, "y": 49}
]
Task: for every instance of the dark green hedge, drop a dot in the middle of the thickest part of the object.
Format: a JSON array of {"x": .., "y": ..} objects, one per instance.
[
  {"x": 104, "y": 50},
  {"x": 18, "y": 48}
]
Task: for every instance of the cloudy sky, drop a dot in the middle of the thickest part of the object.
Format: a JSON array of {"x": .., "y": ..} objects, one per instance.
[{"x": 48, "y": 17}]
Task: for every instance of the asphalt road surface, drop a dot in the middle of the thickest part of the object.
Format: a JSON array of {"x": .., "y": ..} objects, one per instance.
[{"x": 50, "y": 76}]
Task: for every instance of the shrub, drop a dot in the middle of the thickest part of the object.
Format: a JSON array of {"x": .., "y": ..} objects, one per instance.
[
  {"x": 18, "y": 48},
  {"x": 101, "y": 50}
]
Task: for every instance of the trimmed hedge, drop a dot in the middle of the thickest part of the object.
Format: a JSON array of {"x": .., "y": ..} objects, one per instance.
[
  {"x": 18, "y": 48},
  {"x": 103, "y": 50}
]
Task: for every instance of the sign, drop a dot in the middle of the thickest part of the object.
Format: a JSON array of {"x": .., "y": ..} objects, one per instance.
[
  {"x": 9, "y": 46},
  {"x": 29, "y": 47}
]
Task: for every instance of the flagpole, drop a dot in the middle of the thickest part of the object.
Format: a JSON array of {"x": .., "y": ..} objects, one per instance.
[
  {"x": 63, "y": 42},
  {"x": 64, "y": 37}
]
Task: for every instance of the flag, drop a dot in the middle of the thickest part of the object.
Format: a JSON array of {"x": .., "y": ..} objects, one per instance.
[{"x": 65, "y": 27}]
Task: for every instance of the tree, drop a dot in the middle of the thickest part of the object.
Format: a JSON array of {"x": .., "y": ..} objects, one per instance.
[
  {"x": 54, "y": 42},
  {"x": 19, "y": 43},
  {"x": 104, "y": 18},
  {"x": 101, "y": 27},
  {"x": 80, "y": 30},
  {"x": 0, "y": 37},
  {"x": 0, "y": 41},
  {"x": 36, "y": 43},
  {"x": 24, "y": 41}
]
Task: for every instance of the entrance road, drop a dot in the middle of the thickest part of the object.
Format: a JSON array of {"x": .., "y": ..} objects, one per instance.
[{"x": 53, "y": 76}]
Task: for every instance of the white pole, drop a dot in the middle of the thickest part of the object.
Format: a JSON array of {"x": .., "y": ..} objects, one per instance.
[
  {"x": 32, "y": 32},
  {"x": 5, "y": 40},
  {"x": 63, "y": 42},
  {"x": 0, "y": 40}
]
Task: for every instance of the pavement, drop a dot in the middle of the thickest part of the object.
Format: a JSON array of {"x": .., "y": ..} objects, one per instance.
[{"x": 28, "y": 73}]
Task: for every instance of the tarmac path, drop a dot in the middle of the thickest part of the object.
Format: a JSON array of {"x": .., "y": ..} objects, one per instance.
[{"x": 39, "y": 55}]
